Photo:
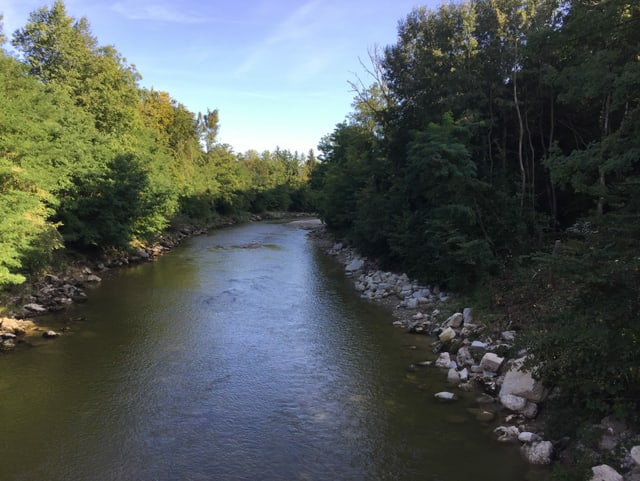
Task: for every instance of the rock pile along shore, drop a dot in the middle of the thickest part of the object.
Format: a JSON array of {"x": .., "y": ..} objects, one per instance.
[{"x": 471, "y": 356}]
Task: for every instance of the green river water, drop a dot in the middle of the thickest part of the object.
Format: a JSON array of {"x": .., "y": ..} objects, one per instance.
[{"x": 241, "y": 355}]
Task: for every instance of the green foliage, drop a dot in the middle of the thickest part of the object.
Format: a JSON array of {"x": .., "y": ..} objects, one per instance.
[
  {"x": 88, "y": 157},
  {"x": 26, "y": 238},
  {"x": 439, "y": 237},
  {"x": 61, "y": 51},
  {"x": 589, "y": 348},
  {"x": 3, "y": 37}
]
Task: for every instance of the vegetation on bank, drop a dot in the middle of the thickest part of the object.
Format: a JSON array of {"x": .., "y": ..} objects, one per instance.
[
  {"x": 91, "y": 160},
  {"x": 499, "y": 145}
]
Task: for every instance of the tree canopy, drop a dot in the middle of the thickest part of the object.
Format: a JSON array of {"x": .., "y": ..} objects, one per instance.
[
  {"x": 493, "y": 129},
  {"x": 89, "y": 159}
]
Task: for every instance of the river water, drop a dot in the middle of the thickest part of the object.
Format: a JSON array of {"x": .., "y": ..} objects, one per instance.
[{"x": 242, "y": 355}]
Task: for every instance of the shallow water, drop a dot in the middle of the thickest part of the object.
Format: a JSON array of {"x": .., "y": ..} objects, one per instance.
[{"x": 242, "y": 355}]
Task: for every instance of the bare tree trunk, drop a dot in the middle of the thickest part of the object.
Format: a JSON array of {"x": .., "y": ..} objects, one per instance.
[{"x": 523, "y": 173}]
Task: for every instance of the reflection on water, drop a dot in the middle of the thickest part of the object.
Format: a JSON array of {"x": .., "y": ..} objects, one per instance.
[{"x": 236, "y": 363}]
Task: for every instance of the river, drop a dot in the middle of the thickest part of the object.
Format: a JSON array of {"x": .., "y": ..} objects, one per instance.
[{"x": 241, "y": 355}]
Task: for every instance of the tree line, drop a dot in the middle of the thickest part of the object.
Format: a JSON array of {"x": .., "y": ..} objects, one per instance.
[
  {"x": 490, "y": 130},
  {"x": 89, "y": 159}
]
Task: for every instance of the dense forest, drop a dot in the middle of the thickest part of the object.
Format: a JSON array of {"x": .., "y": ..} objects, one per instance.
[
  {"x": 498, "y": 143},
  {"x": 90, "y": 160}
]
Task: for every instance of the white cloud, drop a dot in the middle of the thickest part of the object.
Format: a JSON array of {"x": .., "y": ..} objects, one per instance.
[
  {"x": 155, "y": 13},
  {"x": 298, "y": 32}
]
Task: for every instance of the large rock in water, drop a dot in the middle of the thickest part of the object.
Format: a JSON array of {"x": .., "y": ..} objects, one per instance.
[
  {"x": 447, "y": 335},
  {"x": 355, "y": 265},
  {"x": 444, "y": 360},
  {"x": 445, "y": 396},
  {"x": 520, "y": 383}
]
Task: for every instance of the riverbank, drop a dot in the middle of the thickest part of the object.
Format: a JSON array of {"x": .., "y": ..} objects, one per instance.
[
  {"x": 480, "y": 357},
  {"x": 72, "y": 274}
]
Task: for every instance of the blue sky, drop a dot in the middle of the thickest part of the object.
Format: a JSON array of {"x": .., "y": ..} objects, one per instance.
[{"x": 277, "y": 70}]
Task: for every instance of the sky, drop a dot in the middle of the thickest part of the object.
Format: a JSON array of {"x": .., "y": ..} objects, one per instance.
[{"x": 278, "y": 71}]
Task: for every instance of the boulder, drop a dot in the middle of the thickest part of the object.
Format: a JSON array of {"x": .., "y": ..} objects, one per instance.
[
  {"x": 455, "y": 320},
  {"x": 521, "y": 383},
  {"x": 478, "y": 348},
  {"x": 463, "y": 357},
  {"x": 605, "y": 472},
  {"x": 447, "y": 335},
  {"x": 507, "y": 434},
  {"x": 539, "y": 453},
  {"x": 466, "y": 315},
  {"x": 444, "y": 360},
  {"x": 491, "y": 362},
  {"x": 513, "y": 402},
  {"x": 50, "y": 334},
  {"x": 453, "y": 377},
  {"x": 445, "y": 396},
  {"x": 35, "y": 308},
  {"x": 16, "y": 326},
  {"x": 411, "y": 303},
  {"x": 635, "y": 454},
  {"x": 508, "y": 336},
  {"x": 355, "y": 265},
  {"x": 530, "y": 411},
  {"x": 528, "y": 437}
]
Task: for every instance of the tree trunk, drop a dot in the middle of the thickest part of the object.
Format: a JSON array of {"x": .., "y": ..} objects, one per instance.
[{"x": 523, "y": 173}]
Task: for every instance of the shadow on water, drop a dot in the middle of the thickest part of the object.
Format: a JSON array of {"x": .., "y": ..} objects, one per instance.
[{"x": 219, "y": 362}]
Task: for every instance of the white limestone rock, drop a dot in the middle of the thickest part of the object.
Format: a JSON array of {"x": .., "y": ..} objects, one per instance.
[
  {"x": 513, "y": 402},
  {"x": 507, "y": 434},
  {"x": 521, "y": 383},
  {"x": 35, "y": 308},
  {"x": 444, "y": 360},
  {"x": 491, "y": 362},
  {"x": 539, "y": 453},
  {"x": 445, "y": 396},
  {"x": 455, "y": 320},
  {"x": 528, "y": 437},
  {"x": 605, "y": 472}
]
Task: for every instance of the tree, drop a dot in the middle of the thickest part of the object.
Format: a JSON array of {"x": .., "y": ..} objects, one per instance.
[
  {"x": 208, "y": 128},
  {"x": 26, "y": 238},
  {"x": 61, "y": 50},
  {"x": 440, "y": 232},
  {"x": 3, "y": 37}
]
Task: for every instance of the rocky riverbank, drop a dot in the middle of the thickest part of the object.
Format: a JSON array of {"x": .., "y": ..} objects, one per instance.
[
  {"x": 475, "y": 357},
  {"x": 57, "y": 290}
]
